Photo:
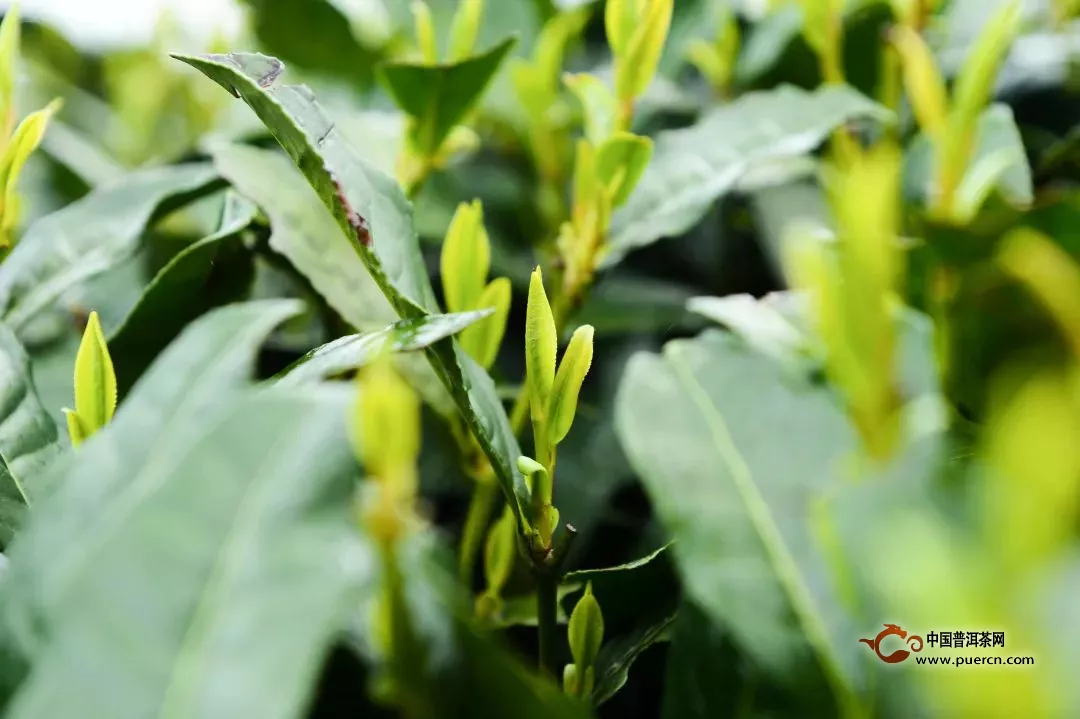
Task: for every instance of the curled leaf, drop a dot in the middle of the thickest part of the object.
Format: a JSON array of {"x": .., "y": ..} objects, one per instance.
[
  {"x": 925, "y": 86},
  {"x": 483, "y": 339},
  {"x": 572, "y": 370},
  {"x": 499, "y": 553},
  {"x": 597, "y": 103},
  {"x": 636, "y": 68},
  {"x": 620, "y": 162},
  {"x": 10, "y": 35},
  {"x": 466, "y": 258},
  {"x": 465, "y": 28},
  {"x": 620, "y": 17},
  {"x": 386, "y": 433},
  {"x": 425, "y": 32},
  {"x": 76, "y": 430},
  {"x": 26, "y": 139},
  {"x": 95, "y": 379}
]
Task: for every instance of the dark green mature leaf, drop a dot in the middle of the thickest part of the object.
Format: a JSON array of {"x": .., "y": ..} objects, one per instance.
[
  {"x": 354, "y": 351},
  {"x": 735, "y": 456},
  {"x": 28, "y": 437},
  {"x": 315, "y": 35},
  {"x": 615, "y": 659},
  {"x": 250, "y": 529},
  {"x": 88, "y": 237},
  {"x": 96, "y": 491},
  {"x": 700, "y": 668},
  {"x": 304, "y": 231},
  {"x": 371, "y": 209},
  {"x": 693, "y": 167},
  {"x": 437, "y": 97},
  {"x": 214, "y": 271},
  {"x": 630, "y": 627},
  {"x": 999, "y": 162}
]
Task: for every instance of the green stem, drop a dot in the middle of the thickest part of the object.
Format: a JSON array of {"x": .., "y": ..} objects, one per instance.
[{"x": 476, "y": 524}]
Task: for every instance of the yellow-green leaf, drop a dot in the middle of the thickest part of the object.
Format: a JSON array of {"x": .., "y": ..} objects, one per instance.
[
  {"x": 499, "y": 553},
  {"x": 575, "y": 365},
  {"x": 425, "y": 32},
  {"x": 387, "y": 425},
  {"x": 586, "y": 631},
  {"x": 483, "y": 339},
  {"x": 465, "y": 28},
  {"x": 95, "y": 379},
  {"x": 541, "y": 344},
  {"x": 925, "y": 87},
  {"x": 620, "y": 162},
  {"x": 26, "y": 139},
  {"x": 597, "y": 103},
  {"x": 10, "y": 31},
  {"x": 75, "y": 427},
  {"x": 636, "y": 68},
  {"x": 971, "y": 93},
  {"x": 620, "y": 17},
  {"x": 466, "y": 258}
]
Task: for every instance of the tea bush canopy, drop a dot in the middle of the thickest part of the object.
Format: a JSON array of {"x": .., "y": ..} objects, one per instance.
[{"x": 541, "y": 358}]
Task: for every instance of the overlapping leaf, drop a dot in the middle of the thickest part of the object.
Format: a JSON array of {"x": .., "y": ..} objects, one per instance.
[
  {"x": 305, "y": 233},
  {"x": 211, "y": 272},
  {"x": 28, "y": 437},
  {"x": 374, "y": 213},
  {"x": 88, "y": 237},
  {"x": 95, "y": 494},
  {"x": 692, "y": 167},
  {"x": 354, "y": 351},
  {"x": 734, "y": 455}
]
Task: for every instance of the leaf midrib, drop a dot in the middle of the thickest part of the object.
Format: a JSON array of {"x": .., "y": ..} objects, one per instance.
[
  {"x": 757, "y": 509},
  {"x": 178, "y": 693}
]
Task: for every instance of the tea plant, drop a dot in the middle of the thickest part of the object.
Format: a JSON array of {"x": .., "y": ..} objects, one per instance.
[{"x": 548, "y": 359}]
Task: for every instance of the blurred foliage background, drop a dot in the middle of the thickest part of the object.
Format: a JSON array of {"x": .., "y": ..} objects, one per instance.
[{"x": 986, "y": 539}]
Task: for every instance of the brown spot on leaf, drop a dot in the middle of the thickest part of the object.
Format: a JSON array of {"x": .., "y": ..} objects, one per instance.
[{"x": 358, "y": 224}]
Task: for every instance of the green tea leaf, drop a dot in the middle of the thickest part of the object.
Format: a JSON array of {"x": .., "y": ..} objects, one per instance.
[
  {"x": 465, "y": 28},
  {"x": 10, "y": 41},
  {"x": 212, "y": 272},
  {"x": 598, "y": 104},
  {"x": 575, "y": 364},
  {"x": 304, "y": 231},
  {"x": 586, "y": 629},
  {"x": 97, "y": 491},
  {"x": 620, "y": 17},
  {"x": 465, "y": 258},
  {"x": 90, "y": 236},
  {"x": 620, "y": 162},
  {"x": 22, "y": 144},
  {"x": 352, "y": 352},
  {"x": 372, "y": 210},
  {"x": 483, "y": 340},
  {"x": 635, "y": 66},
  {"x": 438, "y": 97},
  {"x": 314, "y": 35},
  {"x": 693, "y": 167},
  {"x": 263, "y": 494},
  {"x": 689, "y": 421},
  {"x": 28, "y": 437},
  {"x": 95, "y": 379},
  {"x": 998, "y": 163},
  {"x": 541, "y": 345},
  {"x": 618, "y": 656},
  {"x": 758, "y": 322}
]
